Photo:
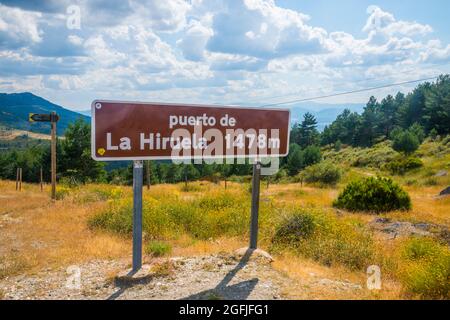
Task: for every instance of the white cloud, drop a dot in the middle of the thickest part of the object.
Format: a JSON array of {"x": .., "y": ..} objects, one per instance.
[
  {"x": 18, "y": 27},
  {"x": 167, "y": 15},
  {"x": 194, "y": 41},
  {"x": 382, "y": 22},
  {"x": 208, "y": 50},
  {"x": 261, "y": 29}
]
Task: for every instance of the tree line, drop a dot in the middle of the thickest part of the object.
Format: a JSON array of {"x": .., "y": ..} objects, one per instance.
[
  {"x": 424, "y": 111},
  {"x": 405, "y": 119}
]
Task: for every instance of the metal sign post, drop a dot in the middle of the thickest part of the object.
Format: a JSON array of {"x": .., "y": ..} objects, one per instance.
[
  {"x": 255, "y": 205},
  {"x": 138, "y": 169},
  {"x": 139, "y": 131}
]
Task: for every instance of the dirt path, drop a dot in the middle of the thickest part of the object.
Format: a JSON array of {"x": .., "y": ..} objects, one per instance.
[{"x": 223, "y": 276}]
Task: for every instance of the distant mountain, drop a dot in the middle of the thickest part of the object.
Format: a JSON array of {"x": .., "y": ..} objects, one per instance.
[
  {"x": 15, "y": 107},
  {"x": 85, "y": 112}
]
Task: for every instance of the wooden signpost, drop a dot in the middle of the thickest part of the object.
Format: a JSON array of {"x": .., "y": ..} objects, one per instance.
[
  {"x": 157, "y": 131},
  {"x": 53, "y": 118},
  {"x": 19, "y": 179}
]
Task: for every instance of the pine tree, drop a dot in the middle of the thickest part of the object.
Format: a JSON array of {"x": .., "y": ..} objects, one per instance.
[
  {"x": 308, "y": 132},
  {"x": 437, "y": 106}
]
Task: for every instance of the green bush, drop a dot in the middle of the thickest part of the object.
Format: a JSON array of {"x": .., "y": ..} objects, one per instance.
[
  {"x": 62, "y": 192},
  {"x": 406, "y": 142},
  {"x": 311, "y": 155},
  {"x": 324, "y": 173},
  {"x": 158, "y": 248},
  {"x": 403, "y": 165},
  {"x": 325, "y": 238},
  {"x": 426, "y": 270},
  {"x": 297, "y": 227},
  {"x": 167, "y": 217},
  {"x": 190, "y": 187},
  {"x": 373, "y": 195}
]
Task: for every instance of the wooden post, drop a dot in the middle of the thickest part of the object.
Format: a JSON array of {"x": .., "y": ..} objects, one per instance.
[
  {"x": 225, "y": 182},
  {"x": 53, "y": 155},
  {"x": 148, "y": 174},
  {"x": 41, "y": 179},
  {"x": 17, "y": 179},
  {"x": 20, "y": 179},
  {"x": 268, "y": 181}
]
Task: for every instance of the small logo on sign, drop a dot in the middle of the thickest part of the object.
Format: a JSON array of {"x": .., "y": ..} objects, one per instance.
[{"x": 101, "y": 151}]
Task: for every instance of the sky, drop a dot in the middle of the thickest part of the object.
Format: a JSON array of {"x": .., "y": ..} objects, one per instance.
[{"x": 232, "y": 52}]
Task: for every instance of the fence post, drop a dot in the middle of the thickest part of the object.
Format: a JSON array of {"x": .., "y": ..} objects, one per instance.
[
  {"x": 17, "y": 179},
  {"x": 20, "y": 179},
  {"x": 41, "y": 179},
  {"x": 148, "y": 174}
]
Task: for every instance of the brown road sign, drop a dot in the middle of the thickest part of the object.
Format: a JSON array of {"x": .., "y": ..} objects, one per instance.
[{"x": 152, "y": 131}]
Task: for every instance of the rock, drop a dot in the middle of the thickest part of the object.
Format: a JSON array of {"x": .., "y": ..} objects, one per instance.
[
  {"x": 441, "y": 173},
  {"x": 128, "y": 277},
  {"x": 254, "y": 253},
  {"x": 399, "y": 228},
  {"x": 445, "y": 192}
]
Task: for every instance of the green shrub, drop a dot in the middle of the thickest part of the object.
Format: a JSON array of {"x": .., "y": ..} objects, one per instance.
[
  {"x": 295, "y": 228},
  {"x": 158, "y": 248},
  {"x": 311, "y": 155},
  {"x": 62, "y": 192},
  {"x": 117, "y": 218},
  {"x": 373, "y": 195},
  {"x": 432, "y": 181},
  {"x": 426, "y": 270},
  {"x": 280, "y": 175},
  {"x": 324, "y": 173},
  {"x": 325, "y": 239},
  {"x": 168, "y": 217},
  {"x": 406, "y": 142},
  {"x": 403, "y": 165},
  {"x": 190, "y": 187}
]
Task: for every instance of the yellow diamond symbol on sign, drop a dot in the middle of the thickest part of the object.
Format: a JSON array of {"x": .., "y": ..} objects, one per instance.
[{"x": 101, "y": 151}]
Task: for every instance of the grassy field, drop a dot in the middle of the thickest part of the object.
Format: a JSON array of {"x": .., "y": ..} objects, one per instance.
[
  {"x": 298, "y": 225},
  {"x": 94, "y": 222}
]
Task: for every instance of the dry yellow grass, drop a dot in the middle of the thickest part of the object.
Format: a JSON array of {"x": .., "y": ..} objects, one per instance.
[
  {"x": 36, "y": 233},
  {"x": 43, "y": 233},
  {"x": 305, "y": 271}
]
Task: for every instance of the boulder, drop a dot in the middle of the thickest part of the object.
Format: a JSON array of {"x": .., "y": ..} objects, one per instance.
[
  {"x": 445, "y": 192},
  {"x": 441, "y": 173}
]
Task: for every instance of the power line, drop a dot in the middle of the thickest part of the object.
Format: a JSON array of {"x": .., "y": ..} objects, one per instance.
[
  {"x": 348, "y": 92},
  {"x": 430, "y": 66}
]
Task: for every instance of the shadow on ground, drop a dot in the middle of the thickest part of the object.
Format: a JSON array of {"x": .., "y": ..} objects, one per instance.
[
  {"x": 123, "y": 285},
  {"x": 238, "y": 291}
]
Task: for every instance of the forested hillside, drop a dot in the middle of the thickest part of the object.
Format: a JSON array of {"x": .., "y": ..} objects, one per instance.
[{"x": 15, "y": 107}]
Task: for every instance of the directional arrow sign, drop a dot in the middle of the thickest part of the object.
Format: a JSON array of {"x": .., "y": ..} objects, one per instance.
[{"x": 39, "y": 117}]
